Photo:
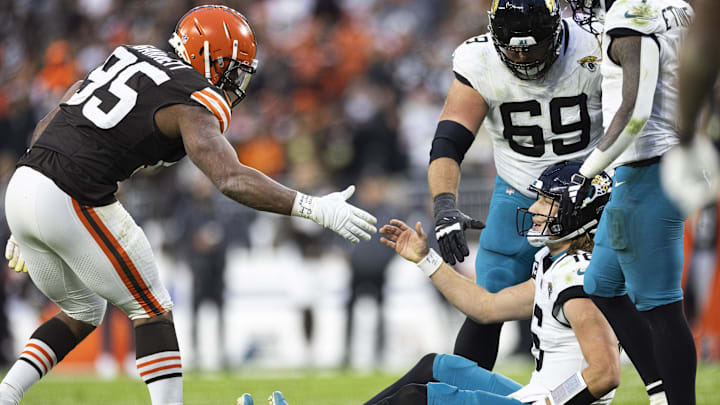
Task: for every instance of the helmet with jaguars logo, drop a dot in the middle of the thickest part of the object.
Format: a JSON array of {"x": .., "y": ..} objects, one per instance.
[
  {"x": 531, "y": 27},
  {"x": 553, "y": 183},
  {"x": 219, "y": 43}
]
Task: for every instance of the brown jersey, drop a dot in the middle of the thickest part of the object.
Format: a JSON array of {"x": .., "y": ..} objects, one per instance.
[{"x": 106, "y": 131}]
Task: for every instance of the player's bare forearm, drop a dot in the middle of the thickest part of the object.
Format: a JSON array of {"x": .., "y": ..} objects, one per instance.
[
  {"x": 598, "y": 344},
  {"x": 256, "y": 190},
  {"x": 625, "y": 51},
  {"x": 466, "y": 107},
  {"x": 217, "y": 159},
  {"x": 443, "y": 176},
  {"x": 479, "y": 304},
  {"x": 40, "y": 127}
]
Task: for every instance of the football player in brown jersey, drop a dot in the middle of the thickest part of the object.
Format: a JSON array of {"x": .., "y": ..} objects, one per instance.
[{"x": 142, "y": 107}]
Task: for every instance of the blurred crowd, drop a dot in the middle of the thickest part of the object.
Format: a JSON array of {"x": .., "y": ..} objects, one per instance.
[{"x": 347, "y": 92}]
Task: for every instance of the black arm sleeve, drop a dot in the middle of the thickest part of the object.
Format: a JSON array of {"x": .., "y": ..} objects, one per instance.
[{"x": 451, "y": 140}]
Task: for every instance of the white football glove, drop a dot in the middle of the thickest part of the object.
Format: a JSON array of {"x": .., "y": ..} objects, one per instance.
[
  {"x": 331, "y": 211},
  {"x": 690, "y": 174},
  {"x": 15, "y": 259}
]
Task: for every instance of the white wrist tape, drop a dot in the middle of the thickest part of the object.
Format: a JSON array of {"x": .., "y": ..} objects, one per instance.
[
  {"x": 431, "y": 263},
  {"x": 303, "y": 205},
  {"x": 568, "y": 389},
  {"x": 595, "y": 163}
]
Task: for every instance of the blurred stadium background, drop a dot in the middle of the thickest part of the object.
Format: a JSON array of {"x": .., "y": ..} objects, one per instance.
[{"x": 347, "y": 92}]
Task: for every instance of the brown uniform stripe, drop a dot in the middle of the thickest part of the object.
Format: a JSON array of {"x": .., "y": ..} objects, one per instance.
[{"x": 120, "y": 260}]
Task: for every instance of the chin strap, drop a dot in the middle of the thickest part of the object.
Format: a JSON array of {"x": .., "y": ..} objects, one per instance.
[{"x": 577, "y": 232}]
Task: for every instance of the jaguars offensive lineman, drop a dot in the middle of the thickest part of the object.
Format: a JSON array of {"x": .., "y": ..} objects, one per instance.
[
  {"x": 534, "y": 82},
  {"x": 576, "y": 353},
  {"x": 638, "y": 258},
  {"x": 142, "y": 107}
]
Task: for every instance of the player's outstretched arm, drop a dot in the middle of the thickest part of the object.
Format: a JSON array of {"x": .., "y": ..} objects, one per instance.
[
  {"x": 217, "y": 159},
  {"x": 512, "y": 303},
  {"x": 462, "y": 114},
  {"x": 211, "y": 152},
  {"x": 600, "y": 349}
]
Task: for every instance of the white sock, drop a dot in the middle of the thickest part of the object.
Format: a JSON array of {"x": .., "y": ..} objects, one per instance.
[
  {"x": 658, "y": 399},
  {"x": 656, "y": 392},
  {"x": 36, "y": 360},
  {"x": 162, "y": 372}
]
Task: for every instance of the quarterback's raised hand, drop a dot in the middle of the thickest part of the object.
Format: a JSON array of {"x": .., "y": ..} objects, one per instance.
[
  {"x": 333, "y": 212},
  {"x": 14, "y": 257},
  {"x": 410, "y": 244},
  {"x": 450, "y": 226}
]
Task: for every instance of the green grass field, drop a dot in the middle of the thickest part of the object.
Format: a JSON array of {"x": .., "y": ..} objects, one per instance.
[{"x": 300, "y": 389}]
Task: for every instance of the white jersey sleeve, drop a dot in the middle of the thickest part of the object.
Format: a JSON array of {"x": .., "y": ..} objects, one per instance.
[
  {"x": 635, "y": 15},
  {"x": 666, "y": 21},
  {"x": 534, "y": 124},
  {"x": 472, "y": 60},
  {"x": 567, "y": 281}
]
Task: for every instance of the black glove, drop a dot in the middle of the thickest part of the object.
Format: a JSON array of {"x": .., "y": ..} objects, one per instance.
[
  {"x": 450, "y": 226},
  {"x": 571, "y": 201}
]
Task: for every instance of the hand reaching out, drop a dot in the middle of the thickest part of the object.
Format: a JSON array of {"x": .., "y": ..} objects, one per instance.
[{"x": 409, "y": 243}]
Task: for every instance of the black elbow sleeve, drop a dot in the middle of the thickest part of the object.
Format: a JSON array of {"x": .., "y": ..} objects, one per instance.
[{"x": 451, "y": 140}]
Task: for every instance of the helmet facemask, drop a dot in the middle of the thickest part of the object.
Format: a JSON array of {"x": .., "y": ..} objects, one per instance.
[
  {"x": 236, "y": 78},
  {"x": 590, "y": 14},
  {"x": 527, "y": 35},
  {"x": 551, "y": 227},
  {"x": 547, "y": 52}
]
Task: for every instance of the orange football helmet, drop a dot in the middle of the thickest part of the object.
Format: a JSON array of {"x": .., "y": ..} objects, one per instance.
[{"x": 219, "y": 43}]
